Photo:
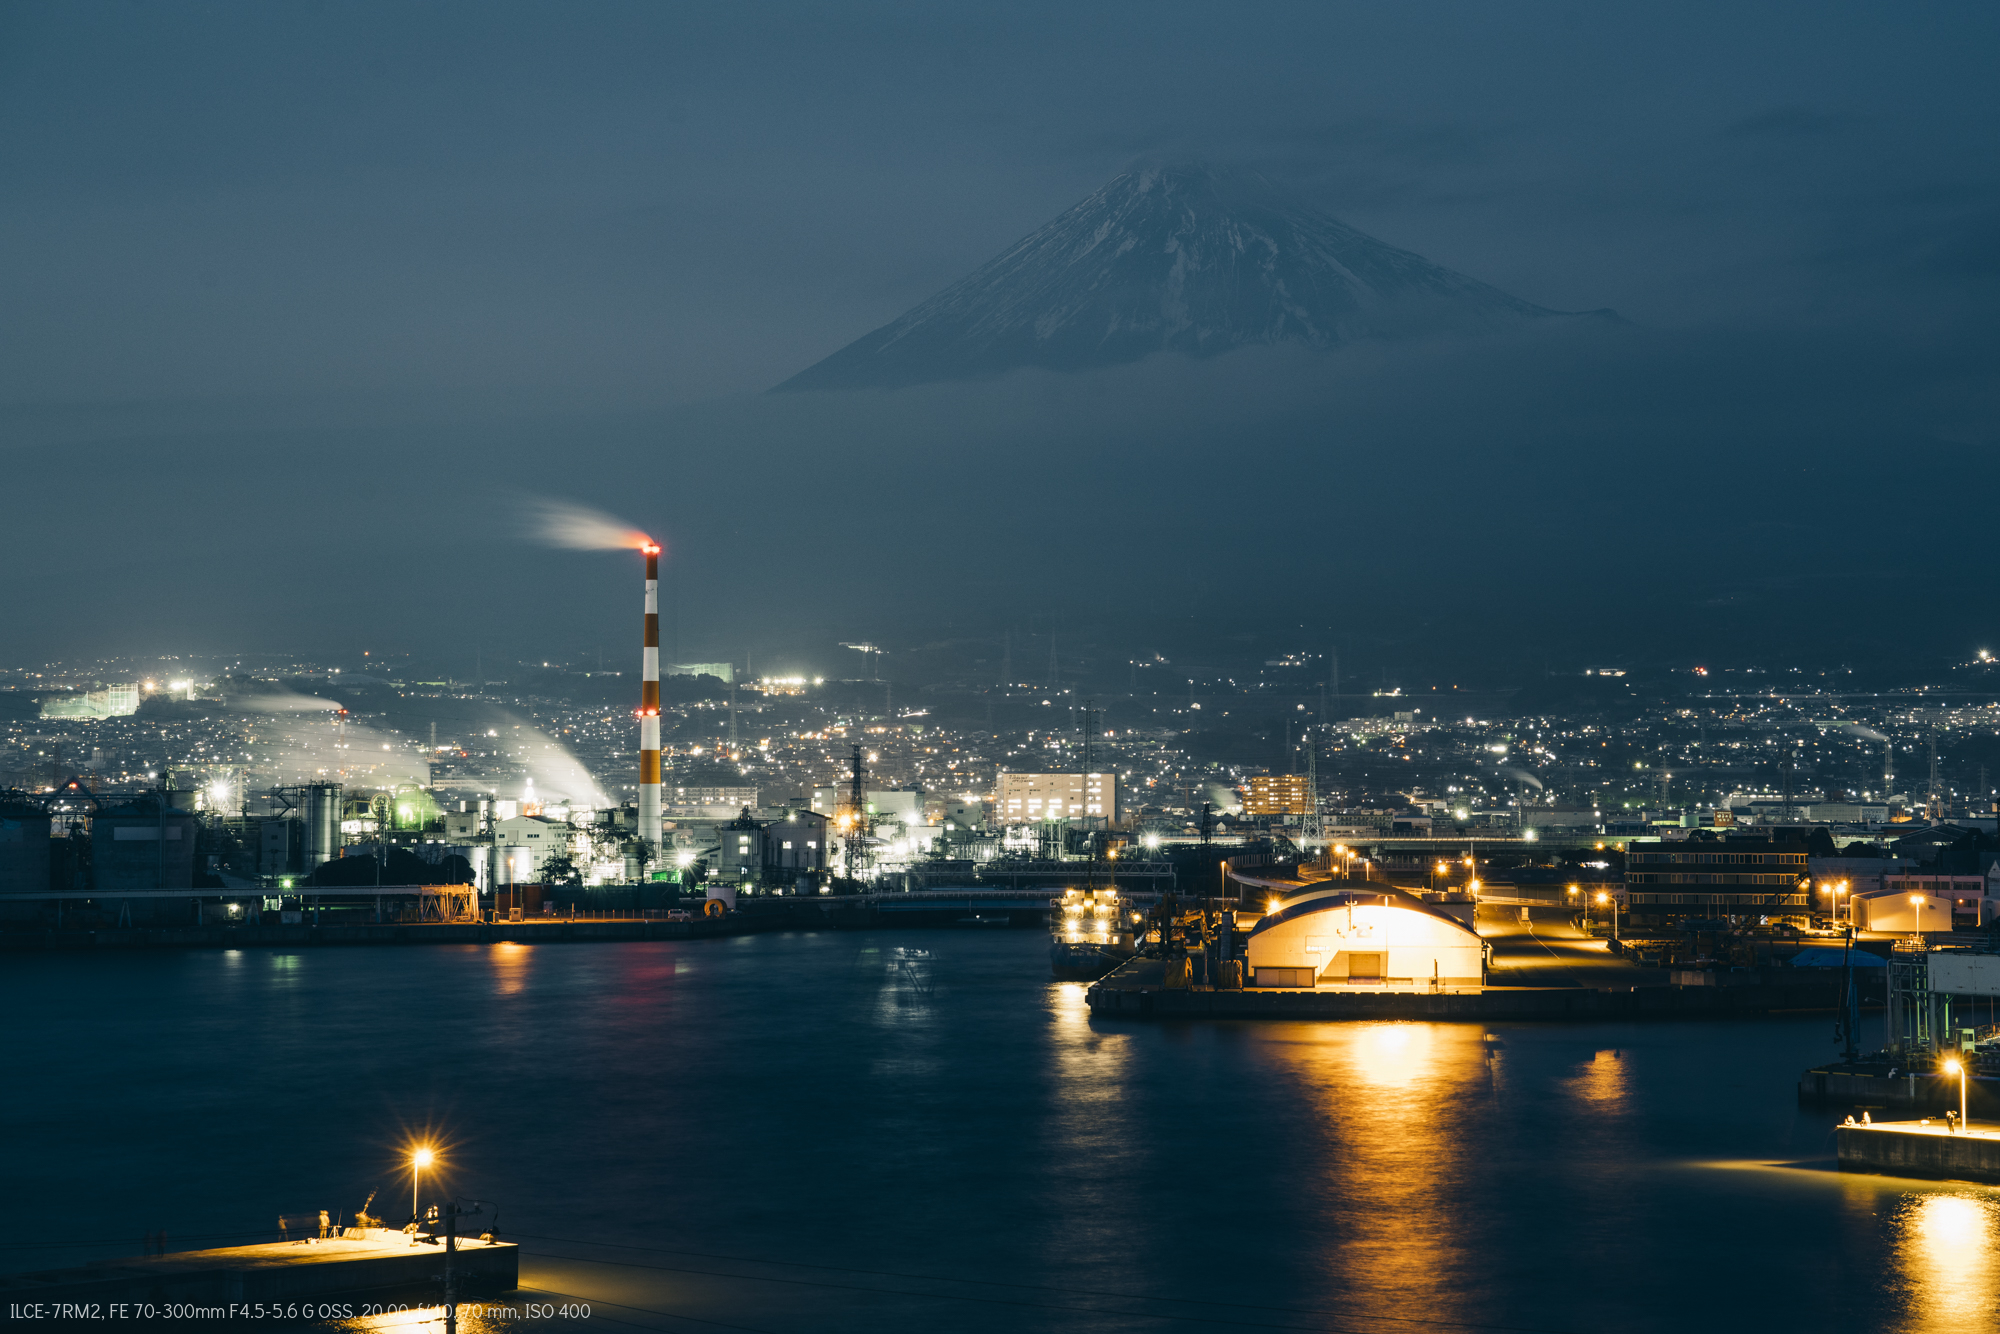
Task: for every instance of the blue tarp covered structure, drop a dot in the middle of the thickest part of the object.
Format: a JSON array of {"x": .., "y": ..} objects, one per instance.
[{"x": 1829, "y": 956}]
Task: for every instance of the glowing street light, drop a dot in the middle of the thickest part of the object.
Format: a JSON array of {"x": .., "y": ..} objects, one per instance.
[
  {"x": 419, "y": 1160},
  {"x": 1604, "y": 898},
  {"x": 1955, "y": 1067}
]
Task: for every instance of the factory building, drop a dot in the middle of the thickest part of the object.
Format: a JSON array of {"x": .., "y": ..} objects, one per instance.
[
  {"x": 1026, "y": 798},
  {"x": 530, "y": 840},
  {"x": 147, "y": 843},
  {"x": 110, "y": 702},
  {"x": 1733, "y": 877},
  {"x": 24, "y": 848},
  {"x": 1348, "y": 934},
  {"x": 777, "y": 852},
  {"x": 711, "y": 801},
  {"x": 1904, "y": 912},
  {"x": 721, "y": 671}
]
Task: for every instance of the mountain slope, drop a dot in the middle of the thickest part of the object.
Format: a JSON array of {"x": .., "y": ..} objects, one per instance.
[{"x": 1188, "y": 259}]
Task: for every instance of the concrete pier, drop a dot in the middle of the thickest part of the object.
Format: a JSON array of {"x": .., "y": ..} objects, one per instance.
[
  {"x": 1917, "y": 1149},
  {"x": 278, "y": 1272}
]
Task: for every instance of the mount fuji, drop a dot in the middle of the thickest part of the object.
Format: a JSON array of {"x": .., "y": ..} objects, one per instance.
[{"x": 1183, "y": 258}]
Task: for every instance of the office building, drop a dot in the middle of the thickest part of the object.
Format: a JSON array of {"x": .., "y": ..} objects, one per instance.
[{"x": 1026, "y": 798}]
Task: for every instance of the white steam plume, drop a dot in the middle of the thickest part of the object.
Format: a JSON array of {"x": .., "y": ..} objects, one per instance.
[
  {"x": 580, "y": 528},
  {"x": 289, "y": 702},
  {"x": 1857, "y": 730},
  {"x": 319, "y": 749},
  {"x": 1522, "y": 776}
]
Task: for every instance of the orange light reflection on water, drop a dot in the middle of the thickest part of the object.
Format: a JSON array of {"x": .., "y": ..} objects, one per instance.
[
  {"x": 1944, "y": 1255},
  {"x": 510, "y": 960},
  {"x": 1391, "y": 1097}
]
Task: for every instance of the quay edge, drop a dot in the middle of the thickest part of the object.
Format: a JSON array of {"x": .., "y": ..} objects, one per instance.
[
  {"x": 1912, "y": 1149},
  {"x": 1547, "y": 1003},
  {"x": 272, "y": 1272}
]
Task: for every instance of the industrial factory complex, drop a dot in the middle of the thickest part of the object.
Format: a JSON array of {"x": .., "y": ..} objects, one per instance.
[{"x": 181, "y": 792}]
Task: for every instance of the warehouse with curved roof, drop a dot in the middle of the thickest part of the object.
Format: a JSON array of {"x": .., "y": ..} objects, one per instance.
[{"x": 1360, "y": 935}]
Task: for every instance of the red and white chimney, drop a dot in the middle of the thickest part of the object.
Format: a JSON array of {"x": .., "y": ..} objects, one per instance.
[{"x": 649, "y": 706}]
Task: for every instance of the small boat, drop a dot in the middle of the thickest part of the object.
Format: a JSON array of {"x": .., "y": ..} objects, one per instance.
[{"x": 985, "y": 920}]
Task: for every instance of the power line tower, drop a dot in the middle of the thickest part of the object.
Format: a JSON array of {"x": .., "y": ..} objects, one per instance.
[
  {"x": 1934, "y": 807},
  {"x": 854, "y": 823},
  {"x": 1312, "y": 829}
]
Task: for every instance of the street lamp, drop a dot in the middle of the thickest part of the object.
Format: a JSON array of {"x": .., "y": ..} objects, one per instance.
[
  {"x": 1606, "y": 898},
  {"x": 1958, "y": 1068},
  {"x": 419, "y": 1160}
]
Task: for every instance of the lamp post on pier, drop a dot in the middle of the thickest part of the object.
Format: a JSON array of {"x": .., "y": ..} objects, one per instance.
[{"x": 419, "y": 1160}]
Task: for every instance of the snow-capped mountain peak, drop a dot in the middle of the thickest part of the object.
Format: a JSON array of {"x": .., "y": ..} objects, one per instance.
[{"x": 1169, "y": 257}]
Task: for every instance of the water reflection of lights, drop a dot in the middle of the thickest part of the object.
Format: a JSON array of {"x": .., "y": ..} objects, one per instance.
[
  {"x": 1944, "y": 1248},
  {"x": 1088, "y": 1116},
  {"x": 1603, "y": 1083},
  {"x": 1394, "y": 1055},
  {"x": 474, "y": 1317},
  {"x": 1393, "y": 1102},
  {"x": 510, "y": 967},
  {"x": 1071, "y": 1003}
]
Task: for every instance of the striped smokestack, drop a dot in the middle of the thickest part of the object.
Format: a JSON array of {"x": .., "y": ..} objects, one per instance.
[{"x": 649, "y": 707}]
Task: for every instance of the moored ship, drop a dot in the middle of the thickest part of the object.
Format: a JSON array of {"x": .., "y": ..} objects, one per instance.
[{"x": 1089, "y": 934}]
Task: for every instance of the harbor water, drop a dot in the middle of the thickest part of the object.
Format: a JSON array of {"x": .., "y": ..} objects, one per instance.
[{"x": 918, "y": 1130}]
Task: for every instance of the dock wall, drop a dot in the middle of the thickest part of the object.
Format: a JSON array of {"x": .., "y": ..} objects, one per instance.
[
  {"x": 547, "y": 931},
  {"x": 1898, "y": 1151},
  {"x": 262, "y": 1274},
  {"x": 1552, "y": 1003}
]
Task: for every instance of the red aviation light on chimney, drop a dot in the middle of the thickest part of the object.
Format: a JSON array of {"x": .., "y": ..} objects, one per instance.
[{"x": 649, "y": 546}]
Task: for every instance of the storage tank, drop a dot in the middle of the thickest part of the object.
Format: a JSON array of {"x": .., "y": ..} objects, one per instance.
[
  {"x": 24, "y": 848},
  {"x": 322, "y": 839}
]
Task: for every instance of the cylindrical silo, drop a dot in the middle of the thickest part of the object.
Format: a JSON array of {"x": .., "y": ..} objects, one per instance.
[{"x": 322, "y": 824}]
